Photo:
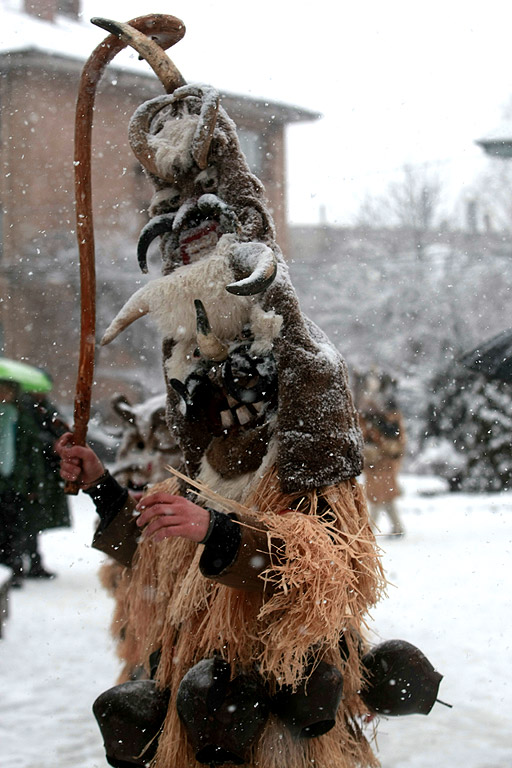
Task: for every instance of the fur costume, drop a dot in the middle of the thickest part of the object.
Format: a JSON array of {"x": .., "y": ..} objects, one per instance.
[
  {"x": 308, "y": 599},
  {"x": 146, "y": 451},
  {"x": 383, "y": 455},
  {"x": 146, "y": 448},
  {"x": 259, "y": 403}
]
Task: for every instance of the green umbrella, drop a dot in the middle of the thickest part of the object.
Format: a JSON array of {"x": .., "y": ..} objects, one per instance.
[{"x": 30, "y": 379}]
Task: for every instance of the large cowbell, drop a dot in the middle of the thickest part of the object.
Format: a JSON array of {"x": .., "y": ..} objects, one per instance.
[
  {"x": 223, "y": 717},
  {"x": 399, "y": 679},
  {"x": 130, "y": 717}
]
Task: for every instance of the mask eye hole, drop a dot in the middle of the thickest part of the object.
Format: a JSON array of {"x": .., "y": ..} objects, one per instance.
[
  {"x": 207, "y": 179},
  {"x": 172, "y": 202},
  {"x": 168, "y": 200}
]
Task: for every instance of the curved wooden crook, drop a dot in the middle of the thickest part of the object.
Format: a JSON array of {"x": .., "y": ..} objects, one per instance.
[{"x": 166, "y": 31}]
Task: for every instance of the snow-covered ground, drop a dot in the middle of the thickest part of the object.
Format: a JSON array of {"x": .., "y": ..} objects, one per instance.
[{"x": 451, "y": 595}]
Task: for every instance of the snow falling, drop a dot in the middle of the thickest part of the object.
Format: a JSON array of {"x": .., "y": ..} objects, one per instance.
[{"x": 408, "y": 277}]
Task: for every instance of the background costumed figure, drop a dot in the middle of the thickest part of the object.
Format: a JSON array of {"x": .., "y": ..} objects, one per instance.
[
  {"x": 251, "y": 627},
  {"x": 384, "y": 437},
  {"x": 146, "y": 450},
  {"x": 147, "y": 447}
]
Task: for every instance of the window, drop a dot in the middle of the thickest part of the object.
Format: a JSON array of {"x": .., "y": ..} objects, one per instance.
[
  {"x": 68, "y": 8},
  {"x": 252, "y": 147}
]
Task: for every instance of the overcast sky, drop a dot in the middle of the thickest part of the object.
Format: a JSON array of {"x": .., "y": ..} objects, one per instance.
[{"x": 397, "y": 82}]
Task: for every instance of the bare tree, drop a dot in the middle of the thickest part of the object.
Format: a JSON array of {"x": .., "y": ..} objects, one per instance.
[{"x": 412, "y": 203}]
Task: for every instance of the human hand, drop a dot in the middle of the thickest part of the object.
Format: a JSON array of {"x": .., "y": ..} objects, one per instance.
[
  {"x": 78, "y": 463},
  {"x": 163, "y": 515}
]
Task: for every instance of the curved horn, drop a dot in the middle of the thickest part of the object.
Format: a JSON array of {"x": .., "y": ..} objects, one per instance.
[
  {"x": 207, "y": 120},
  {"x": 139, "y": 133},
  {"x": 137, "y": 306},
  {"x": 159, "y": 225},
  {"x": 262, "y": 275},
  {"x": 170, "y": 77},
  {"x": 209, "y": 345}
]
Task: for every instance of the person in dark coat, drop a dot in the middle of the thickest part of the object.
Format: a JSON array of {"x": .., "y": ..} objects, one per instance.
[
  {"x": 52, "y": 508},
  {"x": 22, "y": 474}
]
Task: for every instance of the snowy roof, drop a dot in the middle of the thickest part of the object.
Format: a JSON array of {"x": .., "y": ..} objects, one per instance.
[
  {"x": 498, "y": 142},
  {"x": 65, "y": 38}
]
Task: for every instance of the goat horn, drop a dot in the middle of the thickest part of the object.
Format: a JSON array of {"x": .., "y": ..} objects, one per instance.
[
  {"x": 262, "y": 275},
  {"x": 204, "y": 134},
  {"x": 159, "y": 225},
  {"x": 139, "y": 135},
  {"x": 209, "y": 345},
  {"x": 144, "y": 145},
  {"x": 207, "y": 120},
  {"x": 137, "y": 306},
  {"x": 170, "y": 77}
]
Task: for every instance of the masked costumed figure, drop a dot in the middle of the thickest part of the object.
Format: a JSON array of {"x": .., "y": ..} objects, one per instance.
[
  {"x": 383, "y": 430},
  {"x": 146, "y": 450},
  {"x": 252, "y": 635}
]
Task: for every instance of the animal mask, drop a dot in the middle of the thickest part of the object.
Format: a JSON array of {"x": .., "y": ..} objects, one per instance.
[
  {"x": 250, "y": 379},
  {"x": 147, "y": 448}
]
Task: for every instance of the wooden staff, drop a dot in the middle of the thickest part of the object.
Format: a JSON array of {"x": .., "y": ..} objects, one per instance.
[{"x": 165, "y": 31}]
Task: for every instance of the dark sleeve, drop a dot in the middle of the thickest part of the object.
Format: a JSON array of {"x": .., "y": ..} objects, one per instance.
[
  {"x": 236, "y": 552},
  {"x": 117, "y": 533},
  {"x": 108, "y": 497},
  {"x": 221, "y": 544}
]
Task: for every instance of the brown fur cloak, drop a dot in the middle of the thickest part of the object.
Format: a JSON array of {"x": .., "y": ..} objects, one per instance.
[{"x": 329, "y": 578}]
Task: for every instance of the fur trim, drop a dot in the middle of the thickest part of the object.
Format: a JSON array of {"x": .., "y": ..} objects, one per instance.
[
  {"x": 236, "y": 489},
  {"x": 172, "y": 146},
  {"x": 233, "y": 488}
]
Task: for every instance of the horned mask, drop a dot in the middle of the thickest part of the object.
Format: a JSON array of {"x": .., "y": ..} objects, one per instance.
[{"x": 250, "y": 379}]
